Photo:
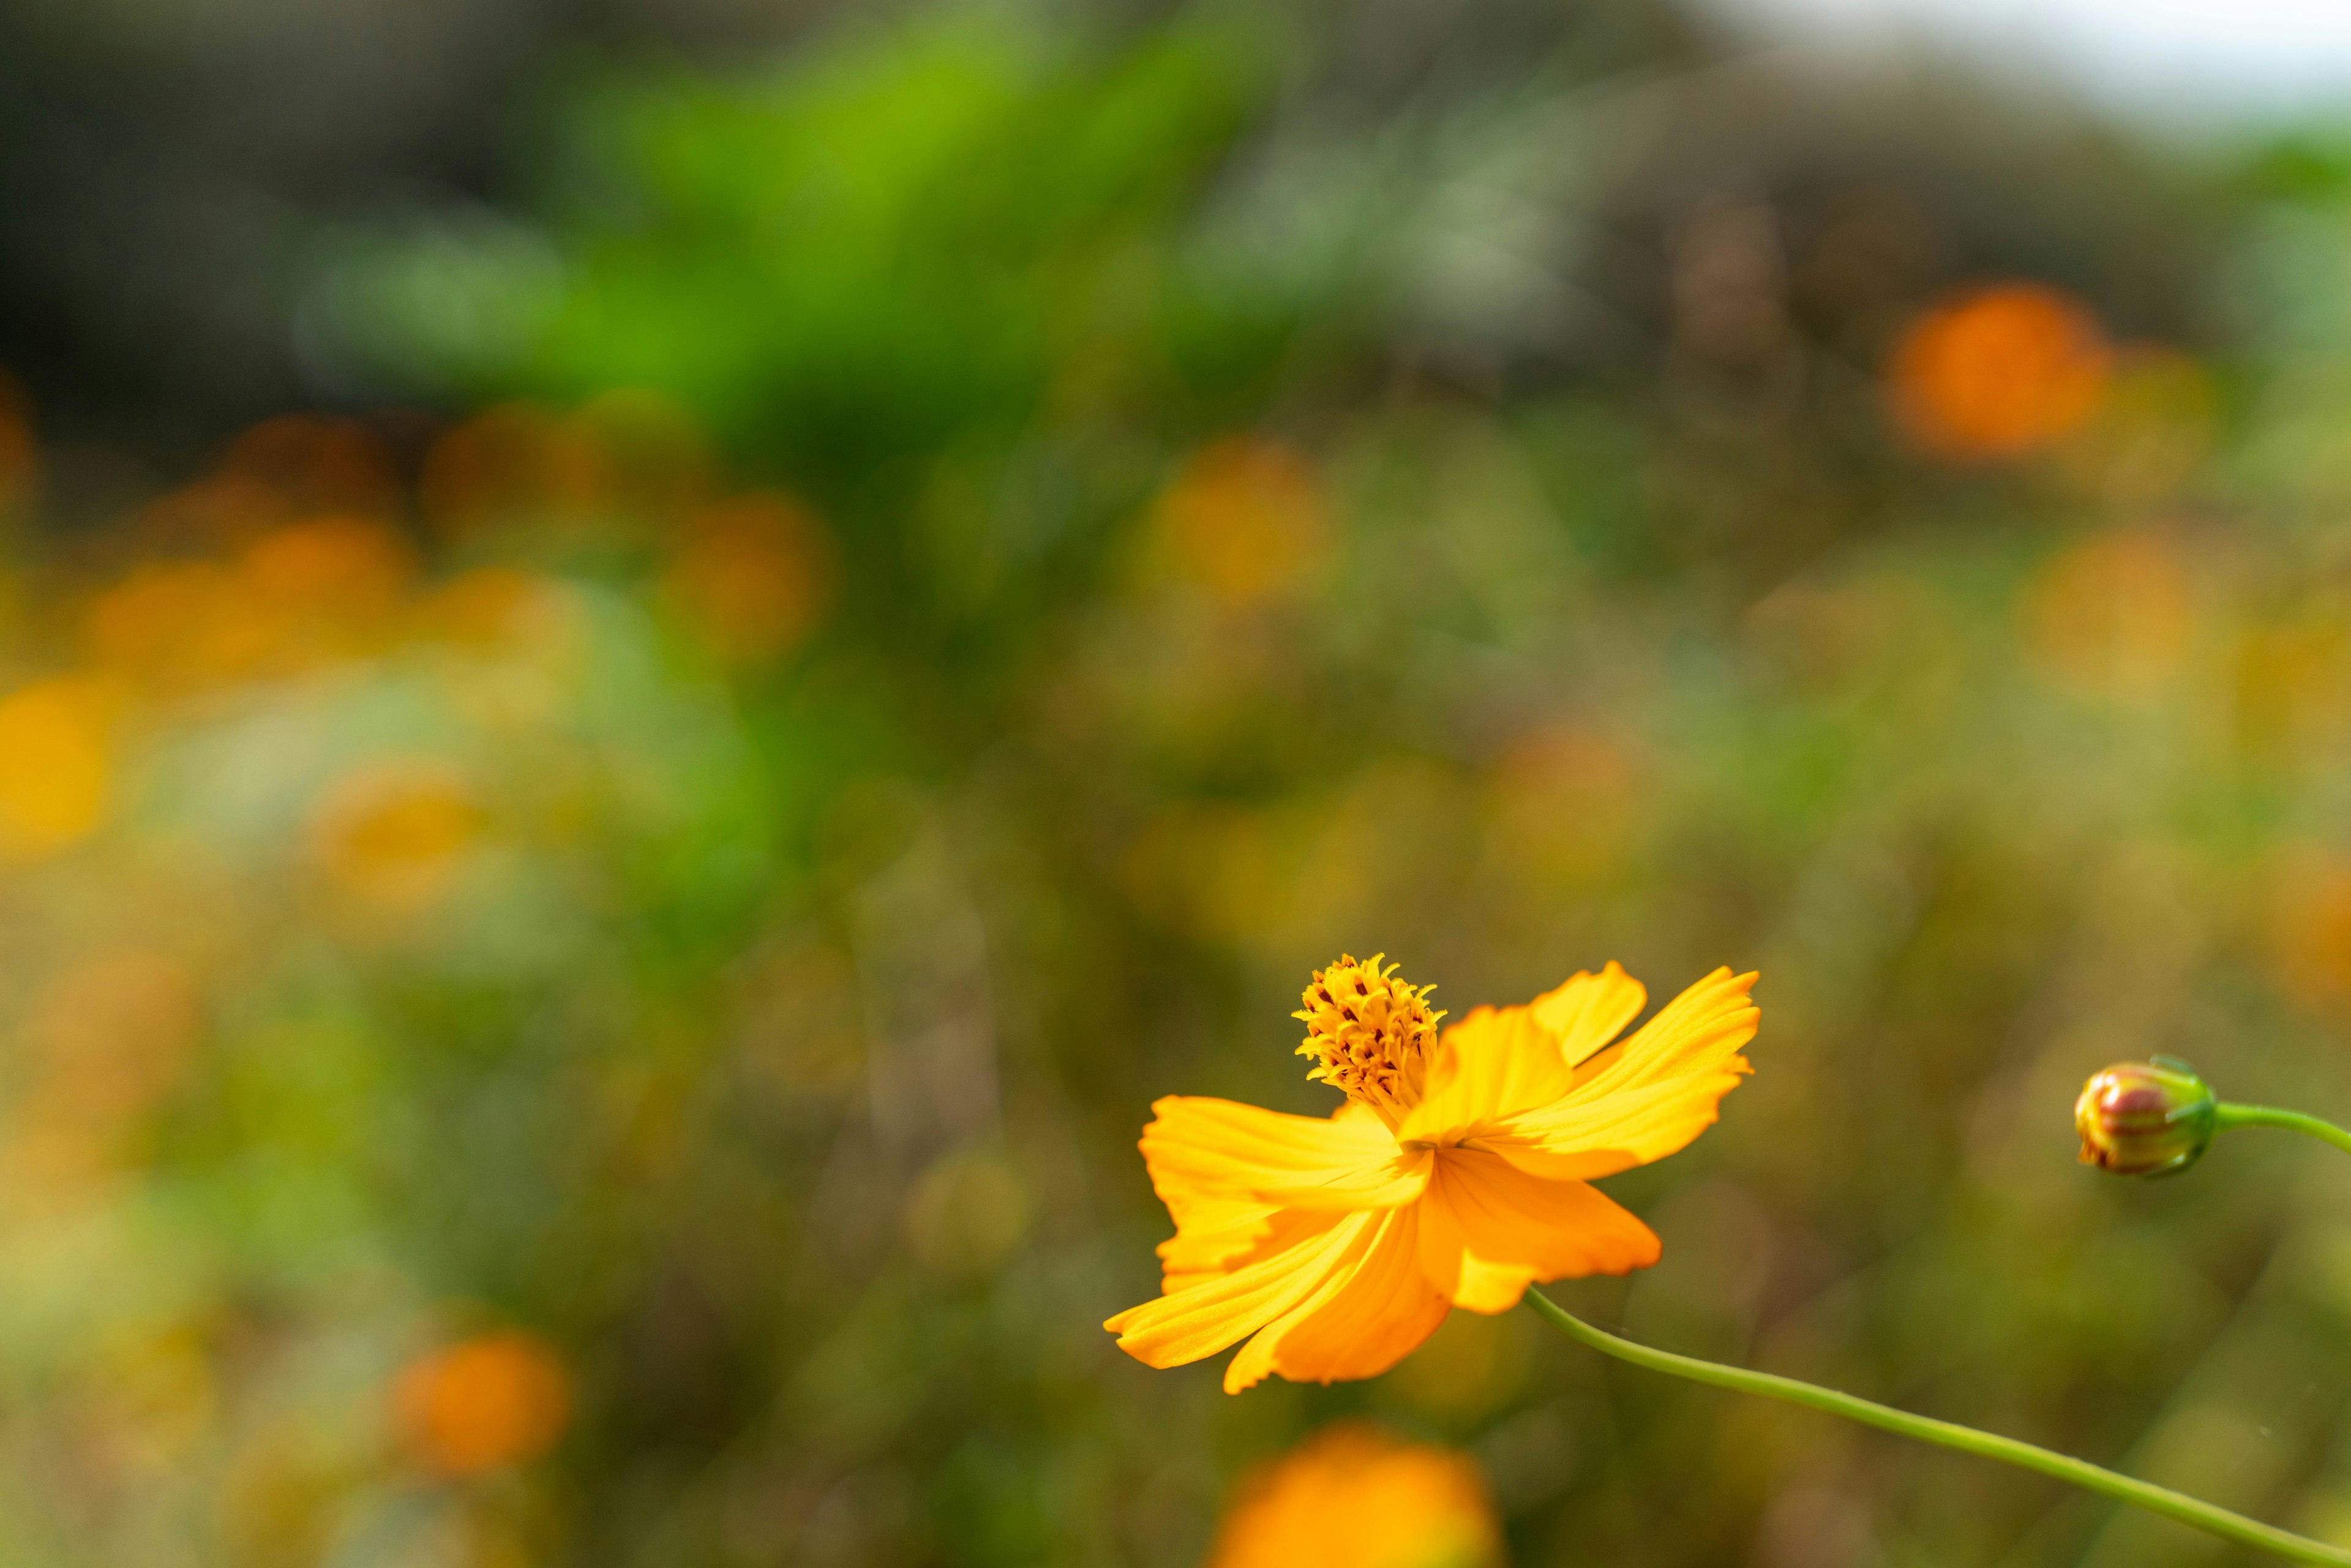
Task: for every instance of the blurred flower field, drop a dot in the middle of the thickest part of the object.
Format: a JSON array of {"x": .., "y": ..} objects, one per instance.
[{"x": 590, "y": 935}]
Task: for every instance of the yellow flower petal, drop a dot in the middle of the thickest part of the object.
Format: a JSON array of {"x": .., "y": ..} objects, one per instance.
[
  {"x": 1493, "y": 1063},
  {"x": 1205, "y": 1318},
  {"x": 1700, "y": 1030},
  {"x": 1586, "y": 1140},
  {"x": 1216, "y": 1237},
  {"x": 1644, "y": 1099},
  {"x": 1371, "y": 1312},
  {"x": 1589, "y": 1010},
  {"x": 1488, "y": 1230},
  {"x": 1220, "y": 1148}
]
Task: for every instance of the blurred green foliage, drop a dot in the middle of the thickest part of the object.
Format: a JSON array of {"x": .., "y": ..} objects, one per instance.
[
  {"x": 989, "y": 548},
  {"x": 878, "y": 270}
]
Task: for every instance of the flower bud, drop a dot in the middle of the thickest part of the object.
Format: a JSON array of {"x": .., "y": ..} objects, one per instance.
[{"x": 2145, "y": 1118}]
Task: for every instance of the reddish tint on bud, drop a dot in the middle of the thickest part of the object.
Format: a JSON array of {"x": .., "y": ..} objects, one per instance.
[{"x": 2145, "y": 1118}]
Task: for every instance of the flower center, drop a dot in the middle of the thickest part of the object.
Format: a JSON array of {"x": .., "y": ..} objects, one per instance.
[{"x": 1370, "y": 1034}]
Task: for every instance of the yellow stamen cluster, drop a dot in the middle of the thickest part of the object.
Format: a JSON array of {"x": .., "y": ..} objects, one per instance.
[{"x": 1370, "y": 1033}]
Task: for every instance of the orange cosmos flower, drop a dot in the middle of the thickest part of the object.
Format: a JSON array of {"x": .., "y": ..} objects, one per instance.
[
  {"x": 1355, "y": 1495},
  {"x": 483, "y": 1404},
  {"x": 1455, "y": 1174},
  {"x": 2000, "y": 373}
]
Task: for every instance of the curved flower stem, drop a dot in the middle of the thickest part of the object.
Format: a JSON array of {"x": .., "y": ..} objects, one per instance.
[
  {"x": 2187, "y": 1509},
  {"x": 2227, "y": 1116}
]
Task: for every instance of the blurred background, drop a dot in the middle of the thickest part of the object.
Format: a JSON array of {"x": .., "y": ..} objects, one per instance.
[{"x": 659, "y": 660}]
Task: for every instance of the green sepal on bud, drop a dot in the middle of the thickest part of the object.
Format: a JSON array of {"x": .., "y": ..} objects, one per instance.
[{"x": 2146, "y": 1118}]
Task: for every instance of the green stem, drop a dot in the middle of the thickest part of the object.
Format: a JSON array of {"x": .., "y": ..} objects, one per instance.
[
  {"x": 2229, "y": 1116},
  {"x": 2187, "y": 1509}
]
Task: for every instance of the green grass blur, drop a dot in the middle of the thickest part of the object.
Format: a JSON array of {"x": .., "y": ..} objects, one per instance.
[{"x": 582, "y": 969}]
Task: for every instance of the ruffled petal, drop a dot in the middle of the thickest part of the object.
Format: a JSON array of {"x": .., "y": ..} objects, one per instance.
[
  {"x": 1203, "y": 1318},
  {"x": 1585, "y": 1140},
  {"x": 1363, "y": 1319},
  {"x": 1493, "y": 1063},
  {"x": 1488, "y": 1230},
  {"x": 1588, "y": 1011},
  {"x": 1218, "y": 1150},
  {"x": 1644, "y": 1099},
  {"x": 1701, "y": 1031},
  {"x": 1217, "y": 1237}
]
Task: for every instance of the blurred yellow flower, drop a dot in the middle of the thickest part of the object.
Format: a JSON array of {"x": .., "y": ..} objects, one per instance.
[
  {"x": 494, "y": 610},
  {"x": 56, "y": 765},
  {"x": 1353, "y": 1497},
  {"x": 395, "y": 832},
  {"x": 150, "y": 1395},
  {"x": 2113, "y": 615},
  {"x": 2000, "y": 372},
  {"x": 2287, "y": 683},
  {"x": 1455, "y": 1176},
  {"x": 169, "y": 624},
  {"x": 483, "y": 1404},
  {"x": 1243, "y": 520}
]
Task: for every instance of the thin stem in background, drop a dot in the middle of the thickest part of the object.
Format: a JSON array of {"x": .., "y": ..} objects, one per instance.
[{"x": 2174, "y": 1505}]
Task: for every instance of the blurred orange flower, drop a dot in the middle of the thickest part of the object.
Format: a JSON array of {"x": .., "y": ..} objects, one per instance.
[
  {"x": 513, "y": 465},
  {"x": 56, "y": 765},
  {"x": 1356, "y": 1497},
  {"x": 2310, "y": 949},
  {"x": 334, "y": 584},
  {"x": 2000, "y": 372},
  {"x": 1244, "y": 519},
  {"x": 299, "y": 596},
  {"x": 108, "y": 1037},
  {"x": 113, "y": 1032},
  {"x": 217, "y": 513},
  {"x": 483, "y": 1404},
  {"x": 1455, "y": 1174},
  {"x": 317, "y": 464},
  {"x": 752, "y": 575}
]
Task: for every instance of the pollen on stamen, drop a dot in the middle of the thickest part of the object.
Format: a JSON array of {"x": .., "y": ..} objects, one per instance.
[{"x": 1369, "y": 1032}]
